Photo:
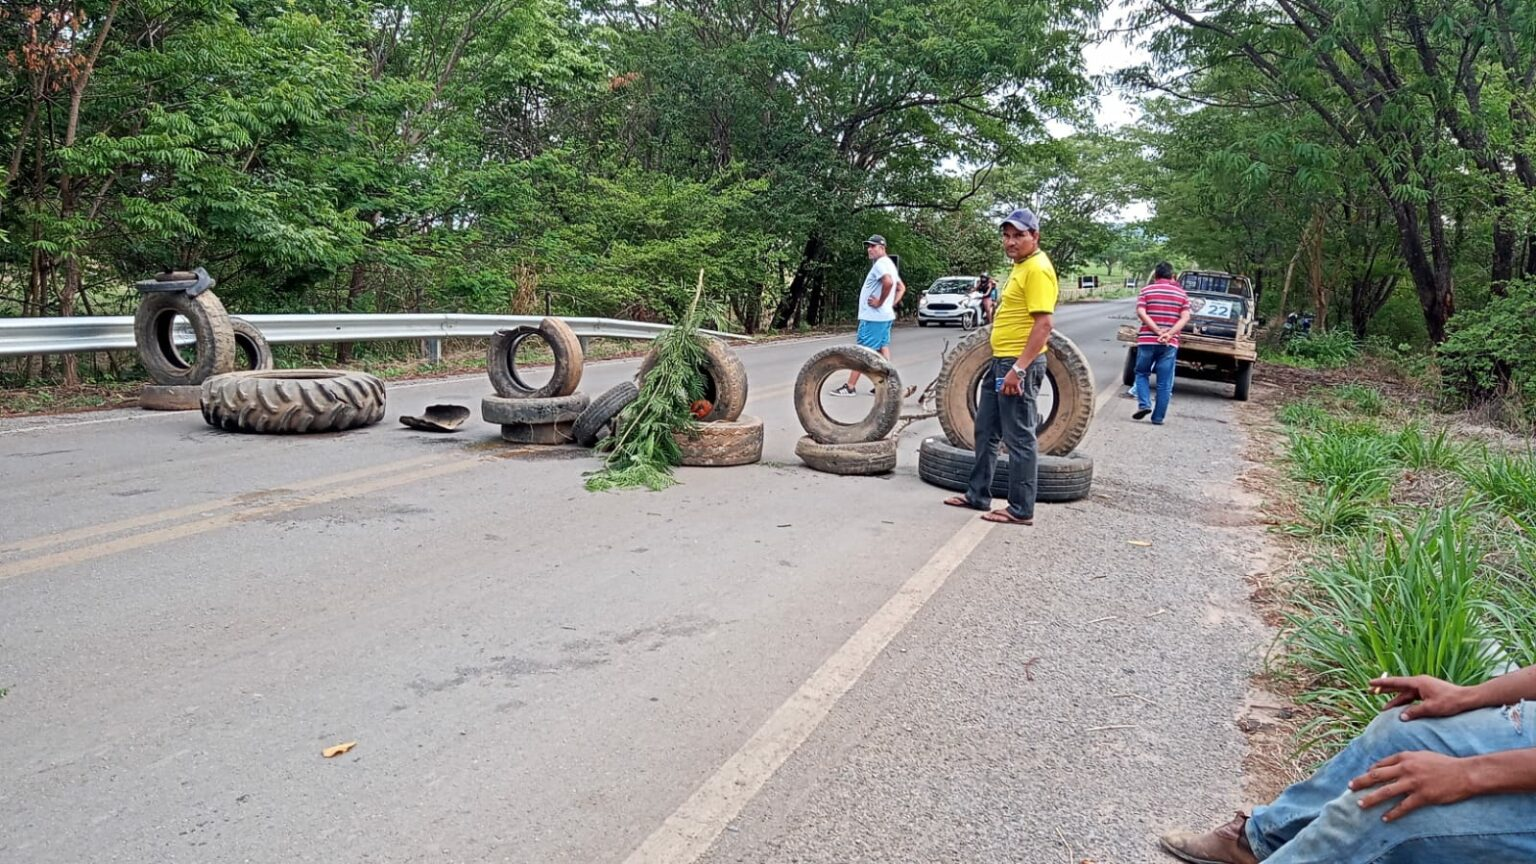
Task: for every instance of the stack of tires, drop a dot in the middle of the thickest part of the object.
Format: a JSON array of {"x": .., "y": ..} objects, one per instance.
[
  {"x": 725, "y": 436},
  {"x": 529, "y": 414},
  {"x": 862, "y": 448},
  {"x": 1064, "y": 474},
  {"x": 221, "y": 342}
]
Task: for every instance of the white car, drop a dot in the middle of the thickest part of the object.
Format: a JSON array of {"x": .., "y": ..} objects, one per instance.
[{"x": 950, "y": 300}]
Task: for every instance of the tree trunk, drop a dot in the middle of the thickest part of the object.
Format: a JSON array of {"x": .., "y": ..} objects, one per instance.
[{"x": 789, "y": 309}]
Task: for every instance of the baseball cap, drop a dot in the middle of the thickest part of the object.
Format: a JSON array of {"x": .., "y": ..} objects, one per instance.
[
  {"x": 1024, "y": 220},
  {"x": 875, "y": 240}
]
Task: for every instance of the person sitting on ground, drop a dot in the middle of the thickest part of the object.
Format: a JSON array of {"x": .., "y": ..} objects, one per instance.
[{"x": 1444, "y": 775}]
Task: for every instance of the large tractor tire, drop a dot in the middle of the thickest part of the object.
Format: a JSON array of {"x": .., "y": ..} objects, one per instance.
[
  {"x": 292, "y": 401},
  {"x": 1066, "y": 369}
]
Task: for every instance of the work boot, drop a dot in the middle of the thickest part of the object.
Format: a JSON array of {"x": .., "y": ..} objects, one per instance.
[{"x": 1226, "y": 845}]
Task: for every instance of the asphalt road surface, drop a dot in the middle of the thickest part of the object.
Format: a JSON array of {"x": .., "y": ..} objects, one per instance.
[{"x": 762, "y": 664}]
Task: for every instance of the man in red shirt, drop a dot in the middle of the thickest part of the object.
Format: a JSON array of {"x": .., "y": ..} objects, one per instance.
[{"x": 1163, "y": 308}]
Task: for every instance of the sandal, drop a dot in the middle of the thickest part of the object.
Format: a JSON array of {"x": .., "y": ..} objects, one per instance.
[
  {"x": 960, "y": 501},
  {"x": 1005, "y": 518}
]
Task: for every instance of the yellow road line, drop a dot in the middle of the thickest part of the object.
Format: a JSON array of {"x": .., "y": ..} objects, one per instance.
[
  {"x": 225, "y": 519},
  {"x": 202, "y": 509}
]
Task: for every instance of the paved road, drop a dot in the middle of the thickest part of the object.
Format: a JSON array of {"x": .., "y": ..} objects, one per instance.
[{"x": 532, "y": 673}]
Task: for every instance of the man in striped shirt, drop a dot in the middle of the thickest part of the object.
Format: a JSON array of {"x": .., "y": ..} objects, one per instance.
[{"x": 1163, "y": 308}]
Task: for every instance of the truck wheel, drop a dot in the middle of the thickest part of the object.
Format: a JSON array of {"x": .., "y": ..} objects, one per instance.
[
  {"x": 1065, "y": 367},
  {"x": 1128, "y": 376},
  {"x": 922, "y": 323},
  {"x": 501, "y": 361},
  {"x": 596, "y": 423},
  {"x": 1061, "y": 479},
  {"x": 865, "y": 459},
  {"x": 292, "y": 400},
  {"x": 723, "y": 443},
  {"x": 725, "y": 380},
  {"x": 882, "y": 417},
  {"x": 1244, "y": 380}
]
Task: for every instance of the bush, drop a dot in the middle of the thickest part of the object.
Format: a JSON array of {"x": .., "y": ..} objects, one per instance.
[
  {"x": 1490, "y": 353},
  {"x": 1331, "y": 350}
]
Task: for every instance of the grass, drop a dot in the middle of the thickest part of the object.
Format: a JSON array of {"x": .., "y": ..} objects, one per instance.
[
  {"x": 1334, "y": 349},
  {"x": 1507, "y": 483},
  {"x": 1357, "y": 462},
  {"x": 1304, "y": 415},
  {"x": 1418, "y": 449},
  {"x": 1361, "y": 399},
  {"x": 1334, "y": 512}
]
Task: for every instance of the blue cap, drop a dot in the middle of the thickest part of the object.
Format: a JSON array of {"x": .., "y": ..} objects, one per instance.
[{"x": 1023, "y": 220}]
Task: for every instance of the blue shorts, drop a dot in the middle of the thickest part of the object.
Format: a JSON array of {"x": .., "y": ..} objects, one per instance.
[{"x": 875, "y": 335}]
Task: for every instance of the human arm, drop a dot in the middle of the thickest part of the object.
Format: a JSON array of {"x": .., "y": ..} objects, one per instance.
[
  {"x": 1178, "y": 326},
  {"x": 901, "y": 291},
  {"x": 1423, "y": 777},
  {"x": 1039, "y": 335},
  {"x": 1428, "y": 696},
  {"x": 887, "y": 284}
]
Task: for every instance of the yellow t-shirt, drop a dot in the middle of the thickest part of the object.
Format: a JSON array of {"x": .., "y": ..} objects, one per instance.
[{"x": 1031, "y": 288}]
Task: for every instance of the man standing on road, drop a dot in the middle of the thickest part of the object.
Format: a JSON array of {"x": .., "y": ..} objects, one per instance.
[
  {"x": 1006, "y": 408},
  {"x": 1163, "y": 308},
  {"x": 882, "y": 290}
]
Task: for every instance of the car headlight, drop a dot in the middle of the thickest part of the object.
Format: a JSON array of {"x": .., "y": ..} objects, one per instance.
[{"x": 922, "y": 301}]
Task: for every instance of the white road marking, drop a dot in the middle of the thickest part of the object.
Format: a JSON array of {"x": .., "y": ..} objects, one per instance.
[{"x": 689, "y": 832}]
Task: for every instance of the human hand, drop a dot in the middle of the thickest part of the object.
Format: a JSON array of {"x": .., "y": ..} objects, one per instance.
[
  {"x": 1435, "y": 698},
  {"x": 1419, "y": 777},
  {"x": 1012, "y": 384},
  {"x": 874, "y": 302}
]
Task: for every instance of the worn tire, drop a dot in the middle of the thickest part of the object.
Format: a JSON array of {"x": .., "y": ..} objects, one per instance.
[
  {"x": 597, "y": 422},
  {"x": 154, "y": 336},
  {"x": 558, "y": 432},
  {"x": 1128, "y": 374},
  {"x": 182, "y": 397},
  {"x": 501, "y": 361},
  {"x": 292, "y": 401},
  {"x": 827, "y": 362},
  {"x": 1244, "y": 380},
  {"x": 556, "y": 409},
  {"x": 864, "y": 459},
  {"x": 725, "y": 381},
  {"x": 723, "y": 443},
  {"x": 250, "y": 346},
  {"x": 1061, "y": 478},
  {"x": 1065, "y": 366}
]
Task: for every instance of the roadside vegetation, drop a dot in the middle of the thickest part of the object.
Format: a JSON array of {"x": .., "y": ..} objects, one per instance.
[{"x": 1415, "y": 539}]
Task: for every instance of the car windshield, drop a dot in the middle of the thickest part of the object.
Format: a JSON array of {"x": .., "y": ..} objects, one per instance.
[{"x": 962, "y": 285}]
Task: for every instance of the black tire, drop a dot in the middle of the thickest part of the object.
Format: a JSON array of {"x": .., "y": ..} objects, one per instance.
[
  {"x": 251, "y": 347},
  {"x": 1244, "y": 380},
  {"x": 292, "y": 401},
  {"x": 501, "y": 361},
  {"x": 922, "y": 323},
  {"x": 1128, "y": 375},
  {"x": 865, "y": 459},
  {"x": 725, "y": 381},
  {"x": 502, "y": 411},
  {"x": 1065, "y": 366},
  {"x": 1061, "y": 478},
  {"x": 547, "y": 434},
  {"x": 153, "y": 333},
  {"x": 882, "y": 418},
  {"x": 723, "y": 443},
  {"x": 159, "y": 397},
  {"x": 597, "y": 422}
]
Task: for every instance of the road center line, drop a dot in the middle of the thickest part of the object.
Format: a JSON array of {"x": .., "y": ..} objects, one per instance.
[
  {"x": 87, "y": 532},
  {"x": 689, "y": 832},
  {"x": 222, "y": 520}
]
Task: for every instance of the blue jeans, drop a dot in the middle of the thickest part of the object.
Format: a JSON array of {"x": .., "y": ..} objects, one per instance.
[
  {"x": 1159, "y": 360},
  {"x": 1318, "y": 822},
  {"x": 1013, "y": 419}
]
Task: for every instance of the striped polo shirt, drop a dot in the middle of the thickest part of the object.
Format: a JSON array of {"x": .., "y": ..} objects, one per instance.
[{"x": 1164, "y": 301}]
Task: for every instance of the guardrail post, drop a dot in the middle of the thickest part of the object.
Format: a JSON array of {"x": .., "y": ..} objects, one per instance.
[{"x": 432, "y": 350}]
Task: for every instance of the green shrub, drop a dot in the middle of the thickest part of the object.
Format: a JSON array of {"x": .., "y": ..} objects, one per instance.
[
  {"x": 1331, "y": 350},
  {"x": 1410, "y": 602},
  {"x": 1490, "y": 352}
]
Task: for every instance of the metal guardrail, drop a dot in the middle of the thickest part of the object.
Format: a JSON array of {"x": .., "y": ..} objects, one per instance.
[{"x": 115, "y": 333}]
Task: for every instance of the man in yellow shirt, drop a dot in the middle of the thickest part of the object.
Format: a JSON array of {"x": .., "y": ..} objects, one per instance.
[{"x": 1006, "y": 408}]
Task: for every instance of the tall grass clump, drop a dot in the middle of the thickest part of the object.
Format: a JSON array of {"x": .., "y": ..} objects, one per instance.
[
  {"x": 1411, "y": 601},
  {"x": 1512, "y": 607},
  {"x": 1507, "y": 482},
  {"x": 1418, "y": 449},
  {"x": 1334, "y": 513},
  {"x": 1303, "y": 415},
  {"x": 1361, "y": 399},
  {"x": 1332, "y": 350},
  {"x": 1348, "y": 457}
]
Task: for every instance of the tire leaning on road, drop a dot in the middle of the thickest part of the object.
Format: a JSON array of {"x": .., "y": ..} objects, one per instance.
[
  {"x": 597, "y": 421},
  {"x": 507, "y": 379},
  {"x": 154, "y": 335},
  {"x": 725, "y": 380},
  {"x": 864, "y": 459},
  {"x": 181, "y": 397},
  {"x": 1066, "y": 367},
  {"x": 723, "y": 443},
  {"x": 287, "y": 401},
  {"x": 1128, "y": 373},
  {"x": 815, "y": 420},
  {"x": 1061, "y": 478},
  {"x": 251, "y": 346}
]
